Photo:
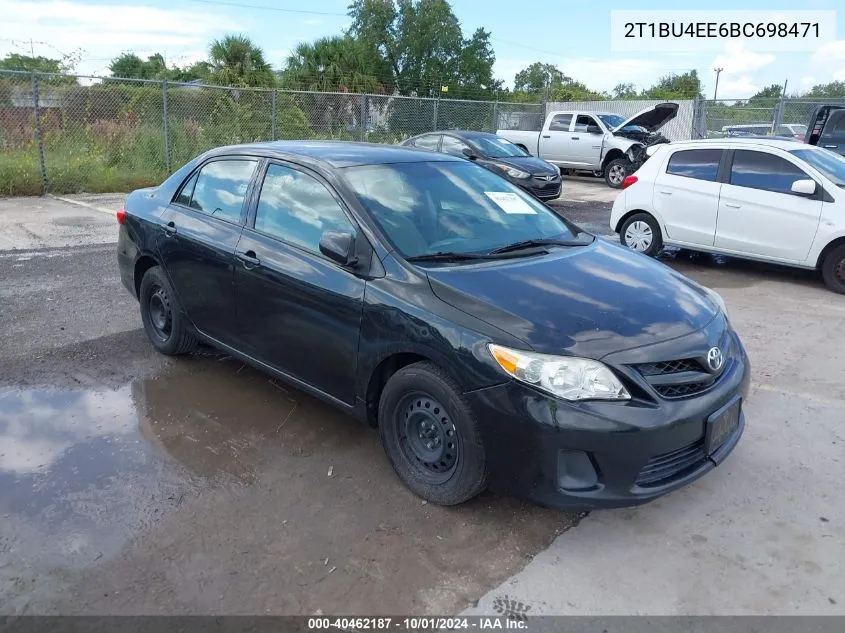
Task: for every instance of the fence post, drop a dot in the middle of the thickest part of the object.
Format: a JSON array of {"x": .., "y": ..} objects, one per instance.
[
  {"x": 39, "y": 139},
  {"x": 363, "y": 117},
  {"x": 166, "y": 126},
  {"x": 777, "y": 119},
  {"x": 495, "y": 117},
  {"x": 273, "y": 116},
  {"x": 436, "y": 107}
]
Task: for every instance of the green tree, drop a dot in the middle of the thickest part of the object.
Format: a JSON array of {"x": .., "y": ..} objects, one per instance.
[
  {"x": 684, "y": 86},
  {"x": 338, "y": 63},
  {"x": 14, "y": 61},
  {"x": 537, "y": 78},
  {"x": 423, "y": 46},
  {"x": 236, "y": 61},
  {"x": 624, "y": 91},
  {"x": 832, "y": 90},
  {"x": 769, "y": 92}
]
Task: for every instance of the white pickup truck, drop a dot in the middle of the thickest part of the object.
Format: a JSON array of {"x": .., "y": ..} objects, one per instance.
[{"x": 596, "y": 141}]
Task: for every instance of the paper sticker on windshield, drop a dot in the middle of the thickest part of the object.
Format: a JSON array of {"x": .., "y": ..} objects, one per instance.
[{"x": 510, "y": 203}]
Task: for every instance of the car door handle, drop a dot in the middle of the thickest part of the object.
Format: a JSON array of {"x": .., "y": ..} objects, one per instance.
[
  {"x": 831, "y": 146},
  {"x": 575, "y": 138},
  {"x": 248, "y": 258},
  {"x": 170, "y": 229},
  {"x": 547, "y": 136},
  {"x": 666, "y": 193},
  {"x": 732, "y": 205}
]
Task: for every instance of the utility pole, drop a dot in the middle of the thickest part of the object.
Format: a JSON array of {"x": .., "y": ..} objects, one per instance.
[
  {"x": 718, "y": 72},
  {"x": 31, "y": 47}
]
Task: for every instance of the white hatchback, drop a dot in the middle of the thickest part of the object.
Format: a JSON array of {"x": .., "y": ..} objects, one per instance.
[{"x": 771, "y": 200}]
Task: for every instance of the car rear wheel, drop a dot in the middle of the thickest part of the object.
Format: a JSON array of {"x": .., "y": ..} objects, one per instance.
[
  {"x": 615, "y": 172},
  {"x": 431, "y": 436},
  {"x": 641, "y": 233},
  {"x": 833, "y": 269},
  {"x": 164, "y": 323}
]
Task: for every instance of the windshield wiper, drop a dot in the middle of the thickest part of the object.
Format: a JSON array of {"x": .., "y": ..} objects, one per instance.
[
  {"x": 518, "y": 246},
  {"x": 445, "y": 256}
]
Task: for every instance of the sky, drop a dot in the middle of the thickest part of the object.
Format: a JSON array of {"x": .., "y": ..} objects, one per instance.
[{"x": 573, "y": 36}]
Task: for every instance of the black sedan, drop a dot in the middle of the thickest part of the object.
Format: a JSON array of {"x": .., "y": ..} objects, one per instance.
[
  {"x": 491, "y": 342},
  {"x": 536, "y": 176}
]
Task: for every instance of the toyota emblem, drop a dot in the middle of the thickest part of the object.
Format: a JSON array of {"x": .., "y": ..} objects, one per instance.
[{"x": 714, "y": 359}]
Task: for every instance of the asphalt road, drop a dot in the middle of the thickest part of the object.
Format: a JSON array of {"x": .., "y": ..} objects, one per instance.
[{"x": 131, "y": 483}]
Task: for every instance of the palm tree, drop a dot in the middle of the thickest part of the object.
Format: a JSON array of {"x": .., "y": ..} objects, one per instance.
[
  {"x": 336, "y": 64},
  {"x": 236, "y": 61}
]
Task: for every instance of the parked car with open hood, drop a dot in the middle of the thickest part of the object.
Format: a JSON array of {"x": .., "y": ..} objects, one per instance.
[
  {"x": 596, "y": 141},
  {"x": 490, "y": 341},
  {"x": 537, "y": 176}
]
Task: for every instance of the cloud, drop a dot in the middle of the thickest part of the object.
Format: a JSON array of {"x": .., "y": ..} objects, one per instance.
[
  {"x": 104, "y": 31},
  {"x": 737, "y": 60},
  {"x": 830, "y": 58},
  {"x": 737, "y": 87},
  {"x": 604, "y": 74}
]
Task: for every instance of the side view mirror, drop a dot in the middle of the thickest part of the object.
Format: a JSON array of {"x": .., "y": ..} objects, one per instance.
[
  {"x": 339, "y": 246},
  {"x": 804, "y": 187},
  {"x": 469, "y": 153},
  {"x": 593, "y": 129}
]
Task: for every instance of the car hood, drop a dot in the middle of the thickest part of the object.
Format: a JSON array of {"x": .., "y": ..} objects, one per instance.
[
  {"x": 652, "y": 118},
  {"x": 585, "y": 301},
  {"x": 533, "y": 165}
]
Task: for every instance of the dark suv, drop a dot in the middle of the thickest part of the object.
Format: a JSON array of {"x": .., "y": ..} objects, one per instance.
[{"x": 827, "y": 128}]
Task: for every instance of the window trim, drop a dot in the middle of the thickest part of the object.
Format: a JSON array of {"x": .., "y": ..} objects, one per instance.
[
  {"x": 253, "y": 208},
  {"x": 719, "y": 164},
  {"x": 258, "y": 160},
  {"x": 819, "y": 195}
]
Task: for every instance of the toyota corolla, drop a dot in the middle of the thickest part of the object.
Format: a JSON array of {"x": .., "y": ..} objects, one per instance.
[{"x": 491, "y": 342}]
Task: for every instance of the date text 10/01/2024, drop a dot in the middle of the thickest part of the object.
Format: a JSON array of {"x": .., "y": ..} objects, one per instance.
[{"x": 421, "y": 623}]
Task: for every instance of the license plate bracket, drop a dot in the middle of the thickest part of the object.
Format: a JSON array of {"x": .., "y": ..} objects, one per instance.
[{"x": 721, "y": 425}]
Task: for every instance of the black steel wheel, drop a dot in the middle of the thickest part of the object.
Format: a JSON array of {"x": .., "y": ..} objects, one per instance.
[
  {"x": 431, "y": 436},
  {"x": 833, "y": 269},
  {"x": 166, "y": 327}
]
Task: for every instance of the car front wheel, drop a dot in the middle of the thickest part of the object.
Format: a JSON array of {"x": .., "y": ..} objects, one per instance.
[
  {"x": 164, "y": 323},
  {"x": 833, "y": 269},
  {"x": 431, "y": 436},
  {"x": 641, "y": 233},
  {"x": 615, "y": 172}
]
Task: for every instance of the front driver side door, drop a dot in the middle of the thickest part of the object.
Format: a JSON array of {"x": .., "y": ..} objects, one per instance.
[
  {"x": 759, "y": 215},
  {"x": 297, "y": 310},
  {"x": 584, "y": 148}
]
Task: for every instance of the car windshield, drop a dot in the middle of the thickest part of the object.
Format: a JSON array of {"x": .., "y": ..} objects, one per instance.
[
  {"x": 615, "y": 120},
  {"x": 453, "y": 207},
  {"x": 495, "y": 147},
  {"x": 829, "y": 163}
]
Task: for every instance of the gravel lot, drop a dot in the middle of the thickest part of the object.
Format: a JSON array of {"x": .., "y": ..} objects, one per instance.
[{"x": 131, "y": 483}]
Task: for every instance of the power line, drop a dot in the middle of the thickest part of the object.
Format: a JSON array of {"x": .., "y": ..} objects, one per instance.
[{"x": 266, "y": 8}]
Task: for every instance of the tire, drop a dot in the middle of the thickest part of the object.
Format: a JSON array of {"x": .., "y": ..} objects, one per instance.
[
  {"x": 641, "y": 233},
  {"x": 615, "y": 172},
  {"x": 165, "y": 324},
  {"x": 833, "y": 269},
  {"x": 431, "y": 436}
]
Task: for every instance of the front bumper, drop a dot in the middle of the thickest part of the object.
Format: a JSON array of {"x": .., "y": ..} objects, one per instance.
[
  {"x": 601, "y": 454},
  {"x": 541, "y": 189}
]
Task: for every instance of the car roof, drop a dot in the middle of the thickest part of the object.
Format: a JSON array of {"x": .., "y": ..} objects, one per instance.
[
  {"x": 339, "y": 153},
  {"x": 761, "y": 141}
]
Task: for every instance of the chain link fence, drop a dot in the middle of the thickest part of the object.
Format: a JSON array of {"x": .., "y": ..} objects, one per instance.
[
  {"x": 66, "y": 134},
  {"x": 779, "y": 116}
]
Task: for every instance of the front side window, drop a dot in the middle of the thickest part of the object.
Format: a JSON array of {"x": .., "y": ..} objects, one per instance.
[
  {"x": 496, "y": 147},
  {"x": 452, "y": 145},
  {"x": 221, "y": 187},
  {"x": 429, "y": 141},
  {"x": 297, "y": 208},
  {"x": 452, "y": 206},
  {"x": 583, "y": 121},
  {"x": 701, "y": 164},
  {"x": 761, "y": 170}
]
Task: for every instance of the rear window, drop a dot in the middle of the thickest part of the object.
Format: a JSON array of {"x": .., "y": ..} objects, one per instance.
[{"x": 701, "y": 164}]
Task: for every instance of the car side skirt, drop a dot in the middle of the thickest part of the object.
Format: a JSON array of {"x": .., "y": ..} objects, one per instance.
[{"x": 738, "y": 254}]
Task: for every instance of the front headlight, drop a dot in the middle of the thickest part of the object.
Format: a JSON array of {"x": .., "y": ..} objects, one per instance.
[
  {"x": 513, "y": 172},
  {"x": 562, "y": 376},
  {"x": 717, "y": 299}
]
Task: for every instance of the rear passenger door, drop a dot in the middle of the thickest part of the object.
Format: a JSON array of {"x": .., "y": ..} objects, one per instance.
[
  {"x": 554, "y": 140},
  {"x": 686, "y": 195},
  {"x": 297, "y": 310},
  {"x": 196, "y": 243},
  {"x": 759, "y": 215}
]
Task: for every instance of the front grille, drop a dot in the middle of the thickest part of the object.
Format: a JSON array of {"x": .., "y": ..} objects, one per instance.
[
  {"x": 660, "y": 469},
  {"x": 669, "y": 367},
  {"x": 680, "y": 391}
]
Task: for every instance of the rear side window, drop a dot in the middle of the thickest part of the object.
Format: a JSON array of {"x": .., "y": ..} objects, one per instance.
[
  {"x": 427, "y": 142},
  {"x": 298, "y": 208},
  {"x": 560, "y": 122},
  {"x": 219, "y": 188},
  {"x": 761, "y": 170},
  {"x": 701, "y": 164},
  {"x": 187, "y": 191}
]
